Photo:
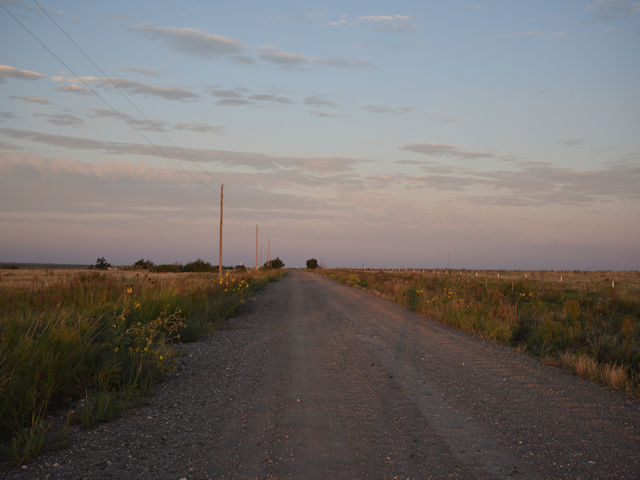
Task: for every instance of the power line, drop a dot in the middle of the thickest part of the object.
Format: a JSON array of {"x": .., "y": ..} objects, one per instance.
[
  {"x": 131, "y": 102},
  {"x": 107, "y": 104},
  {"x": 122, "y": 117}
]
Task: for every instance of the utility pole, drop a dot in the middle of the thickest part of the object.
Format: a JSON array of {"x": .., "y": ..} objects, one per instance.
[
  {"x": 220, "y": 259},
  {"x": 256, "y": 247},
  {"x": 269, "y": 253}
]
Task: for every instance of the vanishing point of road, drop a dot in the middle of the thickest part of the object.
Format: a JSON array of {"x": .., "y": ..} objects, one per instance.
[{"x": 315, "y": 380}]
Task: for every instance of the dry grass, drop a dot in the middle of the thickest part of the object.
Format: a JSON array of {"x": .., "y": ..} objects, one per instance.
[
  {"x": 43, "y": 277},
  {"x": 615, "y": 376}
]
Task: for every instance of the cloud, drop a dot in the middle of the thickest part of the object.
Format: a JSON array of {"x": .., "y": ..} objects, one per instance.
[
  {"x": 73, "y": 88},
  {"x": 385, "y": 109},
  {"x": 240, "y": 96},
  {"x": 346, "y": 62},
  {"x": 284, "y": 59},
  {"x": 610, "y": 10},
  {"x": 134, "y": 87},
  {"x": 41, "y": 100},
  {"x": 198, "y": 127},
  {"x": 7, "y": 115},
  {"x": 232, "y": 93},
  {"x": 234, "y": 102},
  {"x": 320, "y": 101},
  {"x": 572, "y": 143},
  {"x": 442, "y": 150},
  {"x": 389, "y": 23},
  {"x": 344, "y": 19},
  {"x": 267, "y": 97},
  {"x": 307, "y": 166},
  {"x": 62, "y": 119},
  {"x": 134, "y": 195},
  {"x": 271, "y": 54},
  {"x": 191, "y": 41},
  {"x": 139, "y": 123},
  {"x": 7, "y": 71},
  {"x": 147, "y": 71},
  {"x": 381, "y": 18},
  {"x": 321, "y": 114},
  {"x": 533, "y": 184}
]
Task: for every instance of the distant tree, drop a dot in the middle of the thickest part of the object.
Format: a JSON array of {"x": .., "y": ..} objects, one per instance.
[
  {"x": 166, "y": 268},
  {"x": 240, "y": 268},
  {"x": 102, "y": 264},
  {"x": 143, "y": 264},
  {"x": 198, "y": 266},
  {"x": 275, "y": 263},
  {"x": 312, "y": 263}
]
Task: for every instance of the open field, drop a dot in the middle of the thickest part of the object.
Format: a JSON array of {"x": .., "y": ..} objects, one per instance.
[
  {"x": 101, "y": 336},
  {"x": 586, "y": 322}
]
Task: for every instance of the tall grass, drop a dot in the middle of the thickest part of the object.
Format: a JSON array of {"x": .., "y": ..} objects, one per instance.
[
  {"x": 578, "y": 324},
  {"x": 98, "y": 337}
]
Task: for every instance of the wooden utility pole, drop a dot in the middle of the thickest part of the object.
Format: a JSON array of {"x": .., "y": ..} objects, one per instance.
[
  {"x": 256, "y": 247},
  {"x": 269, "y": 253},
  {"x": 220, "y": 259}
]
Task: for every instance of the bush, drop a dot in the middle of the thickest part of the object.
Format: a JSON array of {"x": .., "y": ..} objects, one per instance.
[
  {"x": 312, "y": 263},
  {"x": 167, "y": 268},
  {"x": 198, "y": 266},
  {"x": 275, "y": 263}
]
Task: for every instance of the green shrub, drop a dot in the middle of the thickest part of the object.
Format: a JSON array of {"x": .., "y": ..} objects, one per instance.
[
  {"x": 198, "y": 266},
  {"x": 166, "y": 268}
]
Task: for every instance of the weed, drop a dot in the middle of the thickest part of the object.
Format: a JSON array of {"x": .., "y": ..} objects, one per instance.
[{"x": 27, "y": 442}]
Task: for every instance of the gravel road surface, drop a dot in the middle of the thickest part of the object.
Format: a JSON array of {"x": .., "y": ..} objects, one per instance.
[{"x": 315, "y": 380}]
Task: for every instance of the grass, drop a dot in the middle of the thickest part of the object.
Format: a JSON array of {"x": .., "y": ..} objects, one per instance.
[
  {"x": 581, "y": 321},
  {"x": 98, "y": 338}
]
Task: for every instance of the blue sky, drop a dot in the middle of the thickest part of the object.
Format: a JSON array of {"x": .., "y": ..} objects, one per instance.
[{"x": 496, "y": 134}]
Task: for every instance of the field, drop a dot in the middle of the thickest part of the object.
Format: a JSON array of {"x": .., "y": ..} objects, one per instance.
[
  {"x": 586, "y": 322},
  {"x": 98, "y": 337}
]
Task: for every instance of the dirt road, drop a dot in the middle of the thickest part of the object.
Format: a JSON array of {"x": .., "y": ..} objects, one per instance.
[{"x": 315, "y": 380}]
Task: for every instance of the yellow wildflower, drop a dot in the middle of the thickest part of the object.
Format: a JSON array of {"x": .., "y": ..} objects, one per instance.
[{"x": 129, "y": 290}]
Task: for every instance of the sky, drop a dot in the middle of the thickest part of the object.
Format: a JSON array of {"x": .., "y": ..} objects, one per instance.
[{"x": 485, "y": 134}]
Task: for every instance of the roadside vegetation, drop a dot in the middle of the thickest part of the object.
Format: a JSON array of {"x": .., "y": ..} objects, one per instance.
[
  {"x": 585, "y": 322},
  {"x": 96, "y": 341}
]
